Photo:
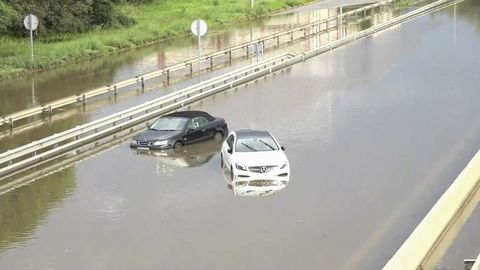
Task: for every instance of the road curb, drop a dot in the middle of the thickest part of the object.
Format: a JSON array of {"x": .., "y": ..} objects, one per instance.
[{"x": 418, "y": 247}]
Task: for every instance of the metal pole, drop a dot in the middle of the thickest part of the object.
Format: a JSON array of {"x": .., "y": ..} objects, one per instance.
[
  {"x": 454, "y": 23},
  {"x": 31, "y": 38},
  {"x": 199, "y": 47}
]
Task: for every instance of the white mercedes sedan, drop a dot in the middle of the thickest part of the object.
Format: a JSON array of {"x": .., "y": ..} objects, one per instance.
[{"x": 254, "y": 156}]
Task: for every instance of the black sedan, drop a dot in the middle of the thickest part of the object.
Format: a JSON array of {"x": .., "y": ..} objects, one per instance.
[{"x": 180, "y": 128}]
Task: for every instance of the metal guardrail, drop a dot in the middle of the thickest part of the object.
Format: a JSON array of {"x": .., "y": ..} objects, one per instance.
[
  {"x": 140, "y": 79},
  {"x": 69, "y": 139},
  {"x": 80, "y": 135}
]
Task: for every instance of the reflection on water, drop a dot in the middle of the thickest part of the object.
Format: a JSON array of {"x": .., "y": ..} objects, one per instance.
[
  {"x": 53, "y": 84},
  {"x": 467, "y": 12},
  {"x": 189, "y": 156},
  {"x": 358, "y": 123},
  {"x": 23, "y": 209},
  {"x": 56, "y": 83},
  {"x": 254, "y": 188}
]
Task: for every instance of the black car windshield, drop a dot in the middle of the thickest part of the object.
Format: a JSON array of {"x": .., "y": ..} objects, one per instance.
[
  {"x": 254, "y": 144},
  {"x": 169, "y": 124}
]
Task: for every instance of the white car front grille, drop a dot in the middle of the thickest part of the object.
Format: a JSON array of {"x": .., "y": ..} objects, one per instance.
[{"x": 261, "y": 169}]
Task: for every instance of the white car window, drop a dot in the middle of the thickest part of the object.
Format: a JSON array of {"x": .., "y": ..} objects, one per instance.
[
  {"x": 254, "y": 144},
  {"x": 230, "y": 140}
]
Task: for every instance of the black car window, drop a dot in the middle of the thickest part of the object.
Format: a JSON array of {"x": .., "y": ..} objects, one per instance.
[
  {"x": 197, "y": 122},
  {"x": 203, "y": 120},
  {"x": 169, "y": 124},
  {"x": 230, "y": 140}
]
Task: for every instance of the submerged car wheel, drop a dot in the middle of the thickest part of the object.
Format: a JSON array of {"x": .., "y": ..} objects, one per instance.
[
  {"x": 218, "y": 136},
  {"x": 177, "y": 146}
]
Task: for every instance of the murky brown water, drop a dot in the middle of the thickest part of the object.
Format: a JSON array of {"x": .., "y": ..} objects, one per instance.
[
  {"x": 375, "y": 132},
  {"x": 51, "y": 85}
]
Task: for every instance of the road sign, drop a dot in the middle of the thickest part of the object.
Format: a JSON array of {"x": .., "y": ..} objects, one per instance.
[
  {"x": 31, "y": 22},
  {"x": 199, "y": 27}
]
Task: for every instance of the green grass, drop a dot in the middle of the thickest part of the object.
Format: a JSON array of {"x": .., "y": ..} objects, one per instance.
[{"x": 161, "y": 19}]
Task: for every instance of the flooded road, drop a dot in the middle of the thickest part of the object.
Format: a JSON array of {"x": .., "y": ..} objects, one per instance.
[
  {"x": 67, "y": 117},
  {"x": 49, "y": 85},
  {"x": 375, "y": 132}
]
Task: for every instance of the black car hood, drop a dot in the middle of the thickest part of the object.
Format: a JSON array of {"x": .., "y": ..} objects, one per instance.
[{"x": 156, "y": 135}]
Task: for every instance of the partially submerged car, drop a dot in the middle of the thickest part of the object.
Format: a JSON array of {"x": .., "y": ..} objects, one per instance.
[
  {"x": 254, "y": 158},
  {"x": 177, "y": 129}
]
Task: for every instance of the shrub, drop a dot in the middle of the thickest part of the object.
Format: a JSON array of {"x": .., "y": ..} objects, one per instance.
[{"x": 7, "y": 16}]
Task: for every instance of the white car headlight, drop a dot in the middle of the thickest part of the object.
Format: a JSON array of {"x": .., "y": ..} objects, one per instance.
[
  {"x": 283, "y": 166},
  {"x": 241, "y": 183},
  {"x": 160, "y": 143},
  {"x": 133, "y": 142},
  {"x": 240, "y": 166}
]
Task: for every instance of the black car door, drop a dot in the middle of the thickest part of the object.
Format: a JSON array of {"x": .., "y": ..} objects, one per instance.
[
  {"x": 194, "y": 130},
  {"x": 208, "y": 127}
]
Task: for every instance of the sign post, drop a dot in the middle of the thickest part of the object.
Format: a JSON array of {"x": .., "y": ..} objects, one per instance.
[
  {"x": 199, "y": 28},
  {"x": 31, "y": 23}
]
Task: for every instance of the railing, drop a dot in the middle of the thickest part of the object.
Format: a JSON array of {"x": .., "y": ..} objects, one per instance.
[
  {"x": 62, "y": 142},
  {"x": 166, "y": 72},
  {"x": 72, "y": 138}
]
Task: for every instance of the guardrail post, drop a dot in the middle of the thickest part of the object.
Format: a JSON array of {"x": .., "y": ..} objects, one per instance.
[
  {"x": 247, "y": 50},
  {"x": 50, "y": 110},
  {"x": 84, "y": 99},
  {"x": 115, "y": 90},
  {"x": 304, "y": 32},
  {"x": 168, "y": 76},
  {"x": 230, "y": 56},
  {"x": 143, "y": 83},
  {"x": 278, "y": 41},
  {"x": 291, "y": 36},
  {"x": 211, "y": 63},
  {"x": 191, "y": 69},
  {"x": 10, "y": 122}
]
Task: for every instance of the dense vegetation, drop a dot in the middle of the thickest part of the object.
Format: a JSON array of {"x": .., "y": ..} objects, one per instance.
[
  {"x": 72, "y": 30},
  {"x": 65, "y": 16}
]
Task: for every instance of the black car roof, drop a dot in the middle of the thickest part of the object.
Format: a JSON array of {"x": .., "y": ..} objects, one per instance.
[
  {"x": 190, "y": 114},
  {"x": 248, "y": 133}
]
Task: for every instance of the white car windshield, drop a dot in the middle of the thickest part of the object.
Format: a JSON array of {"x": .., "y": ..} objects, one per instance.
[
  {"x": 169, "y": 124},
  {"x": 254, "y": 144}
]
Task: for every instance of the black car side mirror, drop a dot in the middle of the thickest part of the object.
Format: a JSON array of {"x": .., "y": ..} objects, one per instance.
[
  {"x": 283, "y": 148},
  {"x": 229, "y": 151}
]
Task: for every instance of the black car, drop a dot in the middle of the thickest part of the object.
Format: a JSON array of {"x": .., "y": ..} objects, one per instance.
[{"x": 180, "y": 128}]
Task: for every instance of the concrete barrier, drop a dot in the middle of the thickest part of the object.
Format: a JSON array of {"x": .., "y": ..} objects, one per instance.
[{"x": 416, "y": 250}]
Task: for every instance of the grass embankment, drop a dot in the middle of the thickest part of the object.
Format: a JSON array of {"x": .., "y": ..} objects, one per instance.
[{"x": 158, "y": 20}]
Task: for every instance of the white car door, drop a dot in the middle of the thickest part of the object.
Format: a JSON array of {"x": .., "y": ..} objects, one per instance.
[{"x": 228, "y": 144}]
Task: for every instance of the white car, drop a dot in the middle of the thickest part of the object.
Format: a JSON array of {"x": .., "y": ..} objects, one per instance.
[{"x": 254, "y": 158}]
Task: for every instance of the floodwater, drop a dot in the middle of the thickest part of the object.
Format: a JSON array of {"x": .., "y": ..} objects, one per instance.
[
  {"x": 375, "y": 132},
  {"x": 50, "y": 85}
]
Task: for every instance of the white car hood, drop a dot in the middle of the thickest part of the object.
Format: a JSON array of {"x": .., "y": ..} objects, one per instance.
[{"x": 264, "y": 158}]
